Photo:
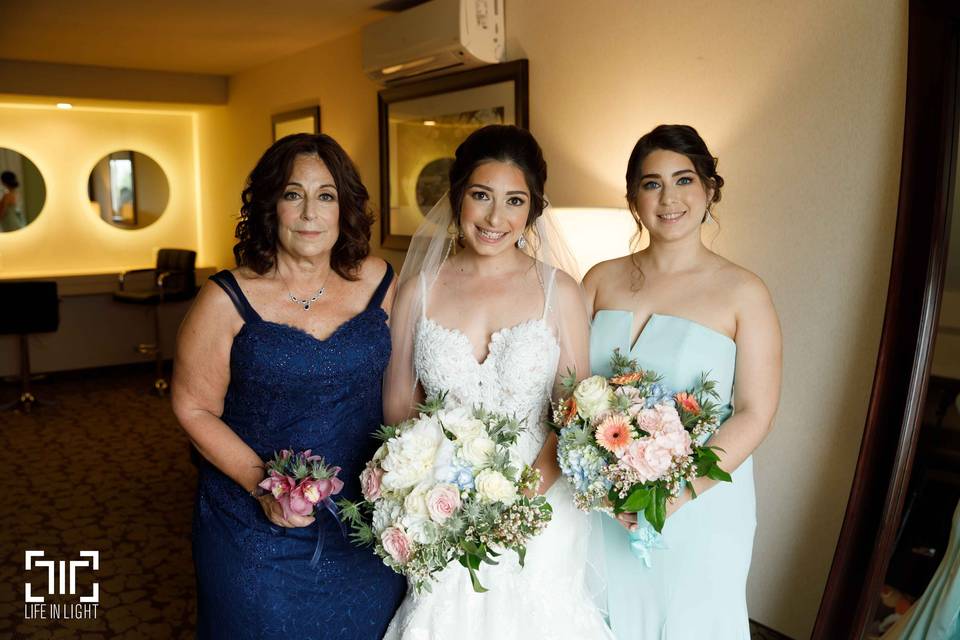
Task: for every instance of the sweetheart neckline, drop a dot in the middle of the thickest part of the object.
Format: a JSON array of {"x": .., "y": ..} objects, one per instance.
[
  {"x": 493, "y": 336},
  {"x": 694, "y": 323},
  {"x": 304, "y": 332}
]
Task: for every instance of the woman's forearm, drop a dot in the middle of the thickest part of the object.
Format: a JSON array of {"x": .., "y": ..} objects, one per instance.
[
  {"x": 546, "y": 464},
  {"x": 223, "y": 448},
  {"x": 739, "y": 437}
]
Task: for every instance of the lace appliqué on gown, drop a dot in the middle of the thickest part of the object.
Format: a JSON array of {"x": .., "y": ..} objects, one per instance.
[{"x": 546, "y": 598}]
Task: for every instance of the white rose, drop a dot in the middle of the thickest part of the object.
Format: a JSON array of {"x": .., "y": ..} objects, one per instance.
[
  {"x": 385, "y": 514},
  {"x": 415, "y": 504},
  {"x": 593, "y": 396},
  {"x": 410, "y": 455},
  {"x": 492, "y": 486},
  {"x": 477, "y": 451},
  {"x": 420, "y": 530},
  {"x": 461, "y": 423}
]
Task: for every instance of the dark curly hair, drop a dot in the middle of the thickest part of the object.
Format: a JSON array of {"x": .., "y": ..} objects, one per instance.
[
  {"x": 504, "y": 143},
  {"x": 679, "y": 138},
  {"x": 256, "y": 232}
]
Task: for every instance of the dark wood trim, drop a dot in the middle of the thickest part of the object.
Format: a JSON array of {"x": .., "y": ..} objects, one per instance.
[
  {"x": 916, "y": 279},
  {"x": 296, "y": 114},
  {"x": 517, "y": 71}
]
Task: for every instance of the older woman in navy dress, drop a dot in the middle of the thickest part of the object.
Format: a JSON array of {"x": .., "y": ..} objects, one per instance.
[{"x": 287, "y": 351}]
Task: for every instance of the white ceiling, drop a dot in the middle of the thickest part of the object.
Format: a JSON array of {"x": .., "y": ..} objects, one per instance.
[{"x": 197, "y": 36}]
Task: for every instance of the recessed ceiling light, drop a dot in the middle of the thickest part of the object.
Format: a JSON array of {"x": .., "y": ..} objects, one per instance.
[
  {"x": 430, "y": 123},
  {"x": 64, "y": 105}
]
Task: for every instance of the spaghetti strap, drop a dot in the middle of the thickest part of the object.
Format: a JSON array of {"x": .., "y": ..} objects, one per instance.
[
  {"x": 381, "y": 291},
  {"x": 228, "y": 282},
  {"x": 548, "y": 291}
]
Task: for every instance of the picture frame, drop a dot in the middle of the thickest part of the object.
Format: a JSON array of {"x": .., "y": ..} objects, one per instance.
[
  {"x": 306, "y": 120},
  {"x": 420, "y": 126}
]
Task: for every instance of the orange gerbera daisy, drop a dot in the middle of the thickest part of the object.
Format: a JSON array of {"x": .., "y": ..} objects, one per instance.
[
  {"x": 687, "y": 402},
  {"x": 627, "y": 378},
  {"x": 613, "y": 434}
]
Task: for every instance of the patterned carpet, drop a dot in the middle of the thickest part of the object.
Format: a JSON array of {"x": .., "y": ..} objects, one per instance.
[{"x": 106, "y": 469}]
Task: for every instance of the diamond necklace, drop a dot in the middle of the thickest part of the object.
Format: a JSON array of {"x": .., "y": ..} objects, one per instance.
[{"x": 306, "y": 302}]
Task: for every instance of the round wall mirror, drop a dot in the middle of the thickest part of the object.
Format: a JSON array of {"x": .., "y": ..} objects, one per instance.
[
  {"x": 128, "y": 189},
  {"x": 22, "y": 191}
]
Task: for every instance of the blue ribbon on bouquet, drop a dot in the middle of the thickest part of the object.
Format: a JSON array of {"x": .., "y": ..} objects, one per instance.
[
  {"x": 332, "y": 508},
  {"x": 643, "y": 539}
]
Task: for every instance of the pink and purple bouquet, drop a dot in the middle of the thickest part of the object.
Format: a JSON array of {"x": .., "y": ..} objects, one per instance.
[
  {"x": 445, "y": 487},
  {"x": 303, "y": 484},
  {"x": 628, "y": 444}
]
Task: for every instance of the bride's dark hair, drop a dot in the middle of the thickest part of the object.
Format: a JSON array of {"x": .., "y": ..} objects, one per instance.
[{"x": 503, "y": 143}]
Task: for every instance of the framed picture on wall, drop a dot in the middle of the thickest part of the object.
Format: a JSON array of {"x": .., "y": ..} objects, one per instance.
[
  {"x": 297, "y": 121},
  {"x": 421, "y": 125}
]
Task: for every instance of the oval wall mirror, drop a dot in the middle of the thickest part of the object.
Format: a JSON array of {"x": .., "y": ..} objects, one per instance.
[
  {"x": 128, "y": 189},
  {"x": 22, "y": 191}
]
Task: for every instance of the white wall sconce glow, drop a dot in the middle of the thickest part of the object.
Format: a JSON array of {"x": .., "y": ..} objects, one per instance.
[
  {"x": 429, "y": 123},
  {"x": 596, "y": 234},
  {"x": 64, "y": 105}
]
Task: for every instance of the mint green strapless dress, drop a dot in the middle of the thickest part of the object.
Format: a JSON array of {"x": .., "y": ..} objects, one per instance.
[{"x": 696, "y": 584}]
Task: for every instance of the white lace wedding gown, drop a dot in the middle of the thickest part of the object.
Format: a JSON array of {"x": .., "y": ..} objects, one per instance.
[{"x": 546, "y": 598}]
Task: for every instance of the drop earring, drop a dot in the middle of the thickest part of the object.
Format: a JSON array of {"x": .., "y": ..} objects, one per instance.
[{"x": 521, "y": 242}]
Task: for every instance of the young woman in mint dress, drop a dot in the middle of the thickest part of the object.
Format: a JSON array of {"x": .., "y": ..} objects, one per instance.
[{"x": 680, "y": 309}]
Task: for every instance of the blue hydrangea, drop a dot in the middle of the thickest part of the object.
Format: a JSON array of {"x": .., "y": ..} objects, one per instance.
[
  {"x": 459, "y": 474},
  {"x": 658, "y": 394},
  {"x": 580, "y": 464}
]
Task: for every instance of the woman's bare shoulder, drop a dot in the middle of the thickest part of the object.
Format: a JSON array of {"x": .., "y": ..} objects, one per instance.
[
  {"x": 608, "y": 269},
  {"x": 372, "y": 269},
  {"x": 745, "y": 287}
]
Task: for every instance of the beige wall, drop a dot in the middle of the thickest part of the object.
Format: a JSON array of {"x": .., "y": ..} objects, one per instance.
[
  {"x": 68, "y": 236},
  {"x": 803, "y": 103}
]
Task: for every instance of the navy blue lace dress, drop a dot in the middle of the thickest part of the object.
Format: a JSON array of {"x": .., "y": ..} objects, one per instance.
[{"x": 290, "y": 390}]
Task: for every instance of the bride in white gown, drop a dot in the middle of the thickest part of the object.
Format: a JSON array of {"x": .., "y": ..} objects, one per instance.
[{"x": 484, "y": 314}]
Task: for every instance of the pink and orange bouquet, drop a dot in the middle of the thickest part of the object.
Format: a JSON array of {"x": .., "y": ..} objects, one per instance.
[{"x": 628, "y": 444}]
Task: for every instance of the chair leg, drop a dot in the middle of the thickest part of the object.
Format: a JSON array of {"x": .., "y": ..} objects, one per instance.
[
  {"x": 26, "y": 400},
  {"x": 160, "y": 385}
]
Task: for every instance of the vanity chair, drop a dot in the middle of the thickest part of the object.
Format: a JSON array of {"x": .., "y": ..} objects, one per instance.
[
  {"x": 173, "y": 279},
  {"x": 30, "y": 306}
]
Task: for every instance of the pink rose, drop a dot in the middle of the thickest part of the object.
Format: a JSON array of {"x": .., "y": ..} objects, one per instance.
[
  {"x": 396, "y": 543},
  {"x": 649, "y": 420},
  {"x": 443, "y": 501},
  {"x": 648, "y": 457},
  {"x": 370, "y": 479},
  {"x": 669, "y": 418},
  {"x": 677, "y": 442}
]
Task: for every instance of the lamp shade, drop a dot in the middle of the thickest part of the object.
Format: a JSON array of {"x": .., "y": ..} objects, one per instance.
[{"x": 596, "y": 234}]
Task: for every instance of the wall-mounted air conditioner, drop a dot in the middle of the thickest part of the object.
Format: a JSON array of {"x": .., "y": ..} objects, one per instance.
[{"x": 437, "y": 37}]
